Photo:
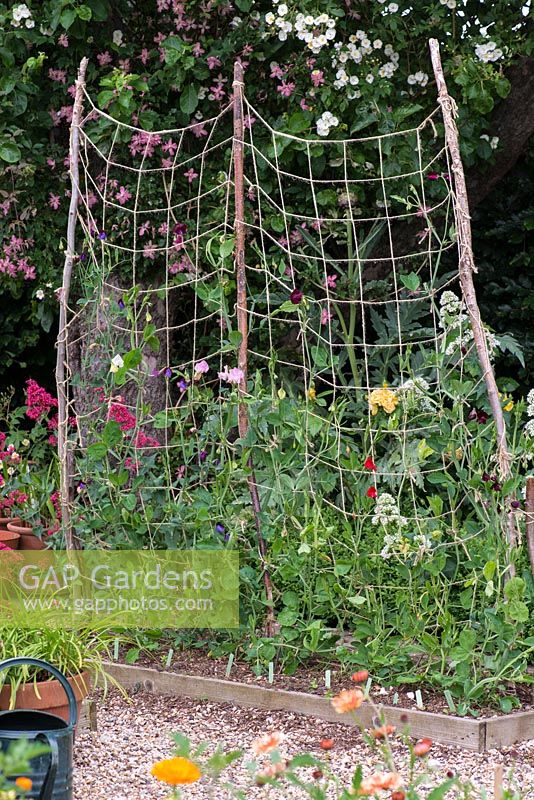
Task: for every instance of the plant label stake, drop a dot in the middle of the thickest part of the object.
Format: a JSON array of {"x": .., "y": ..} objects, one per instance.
[
  {"x": 271, "y": 672},
  {"x": 116, "y": 650},
  {"x": 229, "y": 665},
  {"x": 169, "y": 657},
  {"x": 419, "y": 699},
  {"x": 327, "y": 678}
]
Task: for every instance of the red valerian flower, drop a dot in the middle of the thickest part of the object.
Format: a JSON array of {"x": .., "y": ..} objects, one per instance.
[
  {"x": 296, "y": 296},
  {"x": 371, "y": 492},
  {"x": 369, "y": 464}
]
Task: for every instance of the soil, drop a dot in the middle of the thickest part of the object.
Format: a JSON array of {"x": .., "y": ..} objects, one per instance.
[{"x": 311, "y": 679}]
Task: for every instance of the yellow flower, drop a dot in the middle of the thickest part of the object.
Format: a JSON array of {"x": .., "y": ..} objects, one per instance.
[
  {"x": 383, "y": 398},
  {"x": 509, "y": 405},
  {"x": 312, "y": 394},
  {"x": 176, "y": 771}
]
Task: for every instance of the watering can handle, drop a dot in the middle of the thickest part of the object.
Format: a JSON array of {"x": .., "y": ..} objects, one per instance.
[
  {"x": 44, "y": 665},
  {"x": 48, "y": 784}
]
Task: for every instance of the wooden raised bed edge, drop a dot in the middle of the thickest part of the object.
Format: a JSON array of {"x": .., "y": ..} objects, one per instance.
[{"x": 477, "y": 735}]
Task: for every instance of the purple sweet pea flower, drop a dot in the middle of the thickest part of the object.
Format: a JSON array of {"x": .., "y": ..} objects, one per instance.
[
  {"x": 182, "y": 384},
  {"x": 202, "y": 456},
  {"x": 168, "y": 372},
  {"x": 219, "y": 528},
  {"x": 121, "y": 305},
  {"x": 102, "y": 235}
]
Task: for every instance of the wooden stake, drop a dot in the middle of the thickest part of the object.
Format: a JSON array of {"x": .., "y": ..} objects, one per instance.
[
  {"x": 466, "y": 268},
  {"x": 529, "y": 509},
  {"x": 497, "y": 782},
  {"x": 242, "y": 324},
  {"x": 64, "y": 454}
]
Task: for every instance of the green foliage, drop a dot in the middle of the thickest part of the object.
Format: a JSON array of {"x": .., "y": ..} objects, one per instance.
[{"x": 171, "y": 84}]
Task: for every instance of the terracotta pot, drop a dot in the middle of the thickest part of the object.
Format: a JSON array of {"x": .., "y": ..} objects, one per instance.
[
  {"x": 52, "y": 697},
  {"x": 28, "y": 540},
  {"x": 10, "y": 539},
  {"x": 4, "y": 521}
]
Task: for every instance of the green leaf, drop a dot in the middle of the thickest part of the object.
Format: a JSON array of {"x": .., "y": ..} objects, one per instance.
[
  {"x": 105, "y": 97},
  {"x": 84, "y": 12},
  {"x": 7, "y": 57},
  {"x": 100, "y": 9},
  {"x": 189, "y": 99},
  {"x": 10, "y": 152},
  {"x": 227, "y": 247},
  {"x": 67, "y": 17},
  {"x": 132, "y": 655},
  {"x": 97, "y": 451},
  {"x": 440, "y": 791},
  {"x": 20, "y": 104},
  {"x": 411, "y": 281},
  {"x": 129, "y": 501},
  {"x": 112, "y": 434}
]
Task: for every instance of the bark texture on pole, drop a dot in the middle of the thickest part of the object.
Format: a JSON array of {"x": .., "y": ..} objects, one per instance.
[
  {"x": 529, "y": 508},
  {"x": 64, "y": 453},
  {"x": 466, "y": 268},
  {"x": 242, "y": 324}
]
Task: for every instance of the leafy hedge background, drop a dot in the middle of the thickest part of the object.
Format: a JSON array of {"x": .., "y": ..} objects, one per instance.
[{"x": 181, "y": 58}]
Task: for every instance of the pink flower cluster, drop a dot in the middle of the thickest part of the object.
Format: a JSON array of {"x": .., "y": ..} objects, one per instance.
[
  {"x": 119, "y": 413},
  {"x": 14, "y": 498},
  {"x": 145, "y": 143},
  {"x": 38, "y": 401},
  {"x": 13, "y": 262}
]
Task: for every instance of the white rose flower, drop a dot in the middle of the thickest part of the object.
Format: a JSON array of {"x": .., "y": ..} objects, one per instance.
[
  {"x": 117, "y": 38},
  {"x": 269, "y": 18},
  {"x": 282, "y": 9}
]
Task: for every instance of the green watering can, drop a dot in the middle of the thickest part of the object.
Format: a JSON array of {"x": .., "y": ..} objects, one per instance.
[{"x": 51, "y": 773}]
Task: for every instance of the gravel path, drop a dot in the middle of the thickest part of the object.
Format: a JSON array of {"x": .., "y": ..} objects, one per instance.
[{"x": 114, "y": 763}]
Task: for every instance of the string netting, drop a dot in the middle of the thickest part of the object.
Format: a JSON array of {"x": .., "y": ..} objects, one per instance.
[{"x": 362, "y": 372}]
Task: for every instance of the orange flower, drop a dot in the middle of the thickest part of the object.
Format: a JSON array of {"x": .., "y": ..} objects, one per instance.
[
  {"x": 382, "y": 731},
  {"x": 380, "y": 780},
  {"x": 24, "y": 783},
  {"x": 267, "y": 742},
  {"x": 176, "y": 771},
  {"x": 360, "y": 676},
  {"x": 270, "y": 771},
  {"x": 326, "y": 744},
  {"x": 348, "y": 700},
  {"x": 422, "y": 747}
]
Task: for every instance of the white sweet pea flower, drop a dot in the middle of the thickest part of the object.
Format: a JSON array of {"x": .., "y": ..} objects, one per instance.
[
  {"x": 117, "y": 362},
  {"x": 117, "y": 37}
]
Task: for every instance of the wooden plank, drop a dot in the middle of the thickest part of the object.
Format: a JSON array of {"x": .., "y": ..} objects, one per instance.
[
  {"x": 440, "y": 727},
  {"x": 87, "y": 720},
  {"x": 506, "y": 730}
]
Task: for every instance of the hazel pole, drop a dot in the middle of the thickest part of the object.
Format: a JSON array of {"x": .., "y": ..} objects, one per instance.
[
  {"x": 466, "y": 267},
  {"x": 529, "y": 511},
  {"x": 242, "y": 324},
  {"x": 64, "y": 455}
]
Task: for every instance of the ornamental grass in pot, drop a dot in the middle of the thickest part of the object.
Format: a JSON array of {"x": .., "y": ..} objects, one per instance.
[{"x": 79, "y": 654}]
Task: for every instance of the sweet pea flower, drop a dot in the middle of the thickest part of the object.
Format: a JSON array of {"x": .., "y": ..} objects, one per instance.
[{"x": 233, "y": 376}]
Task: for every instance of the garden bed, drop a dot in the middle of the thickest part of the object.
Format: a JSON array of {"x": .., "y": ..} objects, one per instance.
[
  {"x": 478, "y": 735},
  {"x": 311, "y": 678}
]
